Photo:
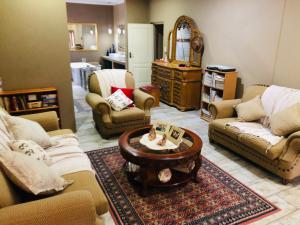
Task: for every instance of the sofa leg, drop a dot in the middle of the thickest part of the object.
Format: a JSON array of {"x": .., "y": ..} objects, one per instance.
[
  {"x": 285, "y": 181},
  {"x": 211, "y": 140}
]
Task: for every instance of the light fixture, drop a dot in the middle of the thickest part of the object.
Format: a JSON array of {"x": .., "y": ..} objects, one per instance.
[
  {"x": 119, "y": 30},
  {"x": 91, "y": 31},
  {"x": 109, "y": 31}
]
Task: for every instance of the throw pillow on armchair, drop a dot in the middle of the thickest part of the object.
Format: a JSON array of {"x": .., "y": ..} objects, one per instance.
[
  {"x": 118, "y": 100},
  {"x": 127, "y": 91}
]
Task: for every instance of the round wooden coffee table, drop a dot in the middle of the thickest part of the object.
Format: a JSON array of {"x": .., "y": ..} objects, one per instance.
[{"x": 151, "y": 162}]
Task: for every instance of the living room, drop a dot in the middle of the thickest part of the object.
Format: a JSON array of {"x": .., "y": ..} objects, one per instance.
[{"x": 177, "y": 155}]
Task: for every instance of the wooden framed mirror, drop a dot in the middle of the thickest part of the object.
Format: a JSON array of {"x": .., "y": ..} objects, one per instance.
[
  {"x": 169, "y": 51},
  {"x": 187, "y": 42}
]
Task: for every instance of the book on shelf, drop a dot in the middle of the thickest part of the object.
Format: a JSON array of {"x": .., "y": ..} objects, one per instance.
[
  {"x": 214, "y": 97},
  {"x": 14, "y": 104},
  {"x": 208, "y": 79},
  {"x": 22, "y": 101},
  {"x": 218, "y": 81},
  {"x": 49, "y": 99},
  {"x": 214, "y": 80},
  {"x": 2, "y": 103},
  {"x": 6, "y": 103}
]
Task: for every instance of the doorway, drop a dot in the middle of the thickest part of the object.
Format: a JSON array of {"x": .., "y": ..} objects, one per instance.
[
  {"x": 158, "y": 40},
  {"x": 140, "y": 52}
]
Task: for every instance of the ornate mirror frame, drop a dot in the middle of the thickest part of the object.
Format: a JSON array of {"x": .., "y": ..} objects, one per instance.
[
  {"x": 170, "y": 45},
  {"x": 196, "y": 42}
]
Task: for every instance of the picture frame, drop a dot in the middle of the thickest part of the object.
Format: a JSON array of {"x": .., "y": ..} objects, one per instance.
[
  {"x": 175, "y": 135},
  {"x": 161, "y": 127}
]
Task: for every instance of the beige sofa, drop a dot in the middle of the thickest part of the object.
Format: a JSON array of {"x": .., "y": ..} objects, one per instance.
[
  {"x": 282, "y": 159},
  {"x": 109, "y": 122},
  {"x": 81, "y": 203}
]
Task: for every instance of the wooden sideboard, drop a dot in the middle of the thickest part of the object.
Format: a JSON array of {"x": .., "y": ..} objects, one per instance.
[{"x": 179, "y": 86}]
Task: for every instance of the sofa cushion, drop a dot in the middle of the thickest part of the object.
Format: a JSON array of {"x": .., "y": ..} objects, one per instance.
[
  {"x": 118, "y": 100},
  {"x": 220, "y": 126},
  {"x": 261, "y": 146},
  {"x": 127, "y": 91},
  {"x": 287, "y": 121},
  {"x": 251, "y": 110},
  {"x": 23, "y": 129},
  {"x": 126, "y": 115},
  {"x": 85, "y": 180},
  {"x": 31, "y": 175},
  {"x": 31, "y": 149}
]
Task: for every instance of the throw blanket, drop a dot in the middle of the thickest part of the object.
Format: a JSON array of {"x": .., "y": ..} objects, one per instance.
[
  {"x": 67, "y": 156},
  {"x": 257, "y": 130},
  {"x": 276, "y": 99},
  {"x": 110, "y": 77}
]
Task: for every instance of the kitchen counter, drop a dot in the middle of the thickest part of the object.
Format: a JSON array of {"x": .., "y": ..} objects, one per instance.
[{"x": 114, "y": 62}]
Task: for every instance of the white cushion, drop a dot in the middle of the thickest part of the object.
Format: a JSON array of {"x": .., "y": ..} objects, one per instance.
[
  {"x": 31, "y": 175},
  {"x": 119, "y": 100},
  {"x": 23, "y": 129},
  {"x": 31, "y": 149},
  {"x": 276, "y": 99}
]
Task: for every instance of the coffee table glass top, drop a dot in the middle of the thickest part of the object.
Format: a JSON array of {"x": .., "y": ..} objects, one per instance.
[{"x": 134, "y": 142}]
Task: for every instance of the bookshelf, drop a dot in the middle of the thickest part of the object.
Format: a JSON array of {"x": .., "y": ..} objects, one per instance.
[
  {"x": 216, "y": 86},
  {"x": 29, "y": 101}
]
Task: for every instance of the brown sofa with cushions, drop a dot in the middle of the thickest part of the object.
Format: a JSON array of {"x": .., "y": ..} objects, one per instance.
[
  {"x": 109, "y": 122},
  {"x": 282, "y": 159},
  {"x": 81, "y": 203}
]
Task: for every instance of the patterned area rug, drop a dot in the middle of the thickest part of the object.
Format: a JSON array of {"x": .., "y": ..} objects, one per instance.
[{"x": 217, "y": 199}]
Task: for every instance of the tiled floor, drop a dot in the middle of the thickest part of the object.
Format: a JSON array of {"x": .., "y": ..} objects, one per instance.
[{"x": 286, "y": 197}]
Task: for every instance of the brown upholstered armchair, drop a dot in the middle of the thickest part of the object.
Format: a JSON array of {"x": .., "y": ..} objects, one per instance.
[{"x": 109, "y": 122}]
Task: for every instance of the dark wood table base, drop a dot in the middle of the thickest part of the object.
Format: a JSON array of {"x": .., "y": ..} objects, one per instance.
[{"x": 147, "y": 177}]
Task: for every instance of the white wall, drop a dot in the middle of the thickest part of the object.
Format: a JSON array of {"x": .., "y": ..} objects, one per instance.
[
  {"x": 243, "y": 33},
  {"x": 287, "y": 70}
]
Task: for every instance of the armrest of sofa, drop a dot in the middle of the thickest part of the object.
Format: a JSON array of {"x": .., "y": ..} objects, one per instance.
[
  {"x": 223, "y": 109},
  {"x": 143, "y": 100},
  {"x": 291, "y": 148},
  {"x": 48, "y": 120},
  {"x": 70, "y": 208},
  {"x": 99, "y": 104}
]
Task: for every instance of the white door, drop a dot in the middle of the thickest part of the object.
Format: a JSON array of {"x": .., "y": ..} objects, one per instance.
[{"x": 140, "y": 52}]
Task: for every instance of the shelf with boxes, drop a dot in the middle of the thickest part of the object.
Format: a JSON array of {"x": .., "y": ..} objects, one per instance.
[
  {"x": 216, "y": 86},
  {"x": 28, "y": 101}
]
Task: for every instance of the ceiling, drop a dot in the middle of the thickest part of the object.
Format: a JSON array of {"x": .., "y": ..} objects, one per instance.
[{"x": 97, "y": 2}]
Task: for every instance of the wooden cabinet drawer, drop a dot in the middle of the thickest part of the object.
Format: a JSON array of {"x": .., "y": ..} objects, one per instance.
[
  {"x": 166, "y": 88},
  {"x": 177, "y": 93},
  {"x": 154, "y": 69},
  {"x": 178, "y": 75},
  {"x": 164, "y": 72}
]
